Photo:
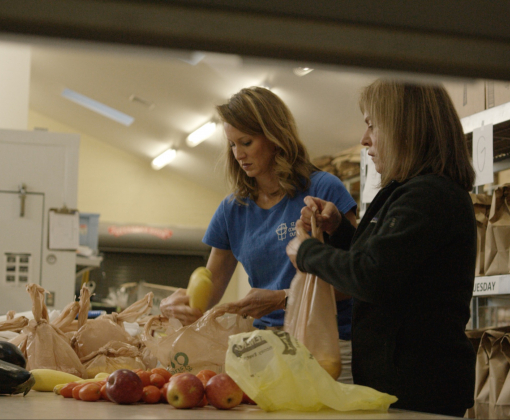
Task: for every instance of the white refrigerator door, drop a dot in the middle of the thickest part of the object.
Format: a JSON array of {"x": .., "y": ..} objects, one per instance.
[
  {"x": 47, "y": 164},
  {"x": 20, "y": 255}
]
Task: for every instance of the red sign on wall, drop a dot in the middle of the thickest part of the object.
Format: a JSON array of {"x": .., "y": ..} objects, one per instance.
[{"x": 144, "y": 230}]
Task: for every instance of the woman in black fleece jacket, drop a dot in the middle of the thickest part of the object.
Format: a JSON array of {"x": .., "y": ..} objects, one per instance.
[{"x": 410, "y": 264}]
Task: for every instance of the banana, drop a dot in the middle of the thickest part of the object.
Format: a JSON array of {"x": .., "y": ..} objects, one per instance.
[
  {"x": 200, "y": 288},
  {"x": 102, "y": 375},
  {"x": 46, "y": 379}
]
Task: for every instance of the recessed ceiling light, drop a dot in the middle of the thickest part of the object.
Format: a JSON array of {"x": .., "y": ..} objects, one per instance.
[
  {"x": 301, "y": 71},
  {"x": 163, "y": 159},
  {"x": 98, "y": 107}
]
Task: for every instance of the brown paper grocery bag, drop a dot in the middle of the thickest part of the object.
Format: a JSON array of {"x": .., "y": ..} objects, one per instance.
[
  {"x": 497, "y": 240},
  {"x": 482, "y": 207},
  {"x": 481, "y": 407},
  {"x": 502, "y": 407},
  {"x": 475, "y": 337},
  {"x": 46, "y": 346},
  {"x": 491, "y": 371}
]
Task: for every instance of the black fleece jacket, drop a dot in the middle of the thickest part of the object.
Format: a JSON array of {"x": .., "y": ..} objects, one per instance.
[{"x": 410, "y": 269}]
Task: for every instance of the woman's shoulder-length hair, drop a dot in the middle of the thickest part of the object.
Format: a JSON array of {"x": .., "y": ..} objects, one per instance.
[
  {"x": 419, "y": 132},
  {"x": 258, "y": 111}
]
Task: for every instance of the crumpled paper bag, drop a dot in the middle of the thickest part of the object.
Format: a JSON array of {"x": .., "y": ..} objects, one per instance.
[
  {"x": 497, "y": 238},
  {"x": 482, "y": 207},
  {"x": 93, "y": 334},
  {"x": 46, "y": 346},
  {"x": 113, "y": 356}
]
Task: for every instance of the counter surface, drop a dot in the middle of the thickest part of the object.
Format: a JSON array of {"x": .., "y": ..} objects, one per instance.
[{"x": 47, "y": 405}]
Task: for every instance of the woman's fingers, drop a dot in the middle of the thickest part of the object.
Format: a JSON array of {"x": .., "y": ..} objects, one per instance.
[
  {"x": 257, "y": 303},
  {"x": 327, "y": 215},
  {"x": 301, "y": 231},
  {"x": 313, "y": 205},
  {"x": 177, "y": 306}
]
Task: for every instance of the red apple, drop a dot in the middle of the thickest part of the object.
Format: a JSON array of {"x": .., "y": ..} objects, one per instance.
[
  {"x": 222, "y": 392},
  {"x": 124, "y": 387},
  {"x": 185, "y": 391},
  {"x": 176, "y": 376}
]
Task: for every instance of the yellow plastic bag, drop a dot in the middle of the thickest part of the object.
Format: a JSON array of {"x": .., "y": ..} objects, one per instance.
[{"x": 279, "y": 373}]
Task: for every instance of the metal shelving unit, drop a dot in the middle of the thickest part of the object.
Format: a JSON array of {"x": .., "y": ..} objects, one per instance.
[
  {"x": 490, "y": 287},
  {"x": 85, "y": 264}
]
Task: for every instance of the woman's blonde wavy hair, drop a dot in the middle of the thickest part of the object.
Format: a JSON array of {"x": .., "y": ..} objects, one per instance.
[
  {"x": 419, "y": 132},
  {"x": 258, "y": 111}
]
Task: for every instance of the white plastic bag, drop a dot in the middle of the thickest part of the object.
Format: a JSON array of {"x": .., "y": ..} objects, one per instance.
[{"x": 201, "y": 345}]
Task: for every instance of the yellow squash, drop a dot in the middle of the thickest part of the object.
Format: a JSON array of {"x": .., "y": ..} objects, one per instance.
[
  {"x": 46, "y": 379},
  {"x": 200, "y": 288}
]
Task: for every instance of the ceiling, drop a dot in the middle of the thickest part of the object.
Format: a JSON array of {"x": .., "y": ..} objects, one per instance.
[{"x": 175, "y": 96}]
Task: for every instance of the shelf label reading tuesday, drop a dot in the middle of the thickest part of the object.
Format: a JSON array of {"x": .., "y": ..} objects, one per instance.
[{"x": 485, "y": 286}]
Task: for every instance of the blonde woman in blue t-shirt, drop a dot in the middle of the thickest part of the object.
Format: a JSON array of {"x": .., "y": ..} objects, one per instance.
[{"x": 270, "y": 174}]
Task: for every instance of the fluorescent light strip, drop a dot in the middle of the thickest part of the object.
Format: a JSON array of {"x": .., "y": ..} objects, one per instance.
[
  {"x": 98, "y": 107},
  {"x": 163, "y": 159},
  {"x": 201, "y": 134},
  {"x": 302, "y": 71}
]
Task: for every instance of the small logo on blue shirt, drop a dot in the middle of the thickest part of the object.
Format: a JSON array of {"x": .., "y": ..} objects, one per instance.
[{"x": 281, "y": 231}]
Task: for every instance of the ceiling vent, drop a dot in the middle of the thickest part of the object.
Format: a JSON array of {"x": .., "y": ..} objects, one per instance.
[{"x": 137, "y": 100}]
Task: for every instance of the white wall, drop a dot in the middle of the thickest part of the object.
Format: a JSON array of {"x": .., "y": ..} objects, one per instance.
[
  {"x": 243, "y": 286},
  {"x": 14, "y": 85},
  {"x": 124, "y": 188}
]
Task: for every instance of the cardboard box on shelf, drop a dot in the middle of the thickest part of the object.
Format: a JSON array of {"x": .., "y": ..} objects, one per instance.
[
  {"x": 160, "y": 292},
  {"x": 497, "y": 93},
  {"x": 468, "y": 96}
]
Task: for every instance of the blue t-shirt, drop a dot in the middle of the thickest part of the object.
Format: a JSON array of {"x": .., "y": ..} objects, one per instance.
[{"x": 258, "y": 238}]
